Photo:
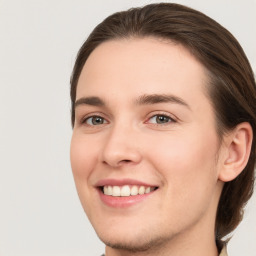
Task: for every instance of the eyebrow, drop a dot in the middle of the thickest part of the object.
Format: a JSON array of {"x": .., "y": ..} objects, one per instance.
[
  {"x": 148, "y": 99},
  {"x": 145, "y": 99},
  {"x": 93, "y": 101}
]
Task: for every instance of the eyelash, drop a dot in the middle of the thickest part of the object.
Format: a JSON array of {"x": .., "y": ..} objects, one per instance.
[
  {"x": 84, "y": 120},
  {"x": 171, "y": 120}
]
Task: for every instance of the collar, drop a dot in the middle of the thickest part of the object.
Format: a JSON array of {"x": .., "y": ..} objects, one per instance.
[{"x": 224, "y": 251}]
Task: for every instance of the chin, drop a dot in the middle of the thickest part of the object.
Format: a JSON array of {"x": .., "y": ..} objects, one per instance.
[
  {"x": 140, "y": 245},
  {"x": 133, "y": 242}
]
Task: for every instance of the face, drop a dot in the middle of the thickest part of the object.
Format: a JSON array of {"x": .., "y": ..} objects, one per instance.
[{"x": 144, "y": 145}]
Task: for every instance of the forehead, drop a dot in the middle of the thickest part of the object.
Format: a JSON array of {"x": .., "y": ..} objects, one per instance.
[{"x": 137, "y": 66}]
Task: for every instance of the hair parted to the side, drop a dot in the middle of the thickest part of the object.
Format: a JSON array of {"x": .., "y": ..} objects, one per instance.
[{"x": 231, "y": 89}]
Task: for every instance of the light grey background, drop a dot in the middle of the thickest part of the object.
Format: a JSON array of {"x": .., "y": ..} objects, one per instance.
[{"x": 39, "y": 210}]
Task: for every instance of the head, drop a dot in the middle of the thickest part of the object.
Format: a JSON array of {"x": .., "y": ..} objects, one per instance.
[{"x": 226, "y": 91}]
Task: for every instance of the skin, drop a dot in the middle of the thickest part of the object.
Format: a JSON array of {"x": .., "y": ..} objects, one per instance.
[{"x": 182, "y": 155}]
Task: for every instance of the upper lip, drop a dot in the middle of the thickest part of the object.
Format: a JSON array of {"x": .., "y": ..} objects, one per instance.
[{"x": 122, "y": 182}]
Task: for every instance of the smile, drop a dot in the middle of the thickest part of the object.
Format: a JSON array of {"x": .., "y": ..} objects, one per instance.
[{"x": 126, "y": 190}]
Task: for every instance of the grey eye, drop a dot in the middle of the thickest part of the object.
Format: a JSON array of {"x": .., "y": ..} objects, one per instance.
[
  {"x": 160, "y": 119},
  {"x": 95, "y": 120}
]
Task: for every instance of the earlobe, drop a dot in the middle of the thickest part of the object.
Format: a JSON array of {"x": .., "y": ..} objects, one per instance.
[{"x": 238, "y": 147}]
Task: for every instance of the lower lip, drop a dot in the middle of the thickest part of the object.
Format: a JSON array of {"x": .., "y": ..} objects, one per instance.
[{"x": 122, "y": 202}]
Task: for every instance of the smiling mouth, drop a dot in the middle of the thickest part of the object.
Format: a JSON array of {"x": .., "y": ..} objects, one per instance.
[{"x": 126, "y": 190}]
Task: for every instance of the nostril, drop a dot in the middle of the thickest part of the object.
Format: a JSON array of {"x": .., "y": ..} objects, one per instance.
[
  {"x": 118, "y": 164},
  {"x": 125, "y": 161}
]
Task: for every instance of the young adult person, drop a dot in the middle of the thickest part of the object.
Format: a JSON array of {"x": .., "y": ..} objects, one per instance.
[{"x": 163, "y": 114}]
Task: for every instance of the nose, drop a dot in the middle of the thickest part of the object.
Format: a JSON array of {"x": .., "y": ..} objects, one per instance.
[{"x": 121, "y": 147}]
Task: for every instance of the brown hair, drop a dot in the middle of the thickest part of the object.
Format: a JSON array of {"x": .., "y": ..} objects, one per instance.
[{"x": 231, "y": 90}]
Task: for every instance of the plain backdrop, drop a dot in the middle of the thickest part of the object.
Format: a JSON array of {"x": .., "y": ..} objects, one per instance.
[{"x": 40, "y": 213}]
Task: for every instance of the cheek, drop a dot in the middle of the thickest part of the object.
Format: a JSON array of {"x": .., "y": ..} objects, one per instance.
[
  {"x": 187, "y": 164},
  {"x": 189, "y": 173},
  {"x": 82, "y": 156}
]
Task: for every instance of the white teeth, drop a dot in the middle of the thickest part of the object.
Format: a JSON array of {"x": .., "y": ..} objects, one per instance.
[
  {"x": 134, "y": 191},
  {"x": 142, "y": 190},
  {"x": 147, "y": 190},
  {"x": 110, "y": 191},
  {"x": 116, "y": 191},
  {"x": 126, "y": 190},
  {"x": 105, "y": 190}
]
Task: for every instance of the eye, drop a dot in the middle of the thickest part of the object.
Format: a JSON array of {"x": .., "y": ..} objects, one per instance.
[
  {"x": 160, "y": 119},
  {"x": 95, "y": 120}
]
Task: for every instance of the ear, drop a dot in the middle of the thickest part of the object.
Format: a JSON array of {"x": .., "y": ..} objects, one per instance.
[{"x": 237, "y": 147}]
